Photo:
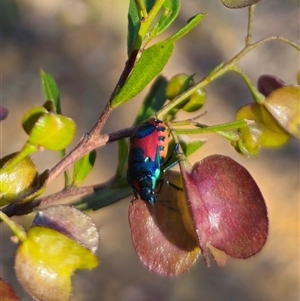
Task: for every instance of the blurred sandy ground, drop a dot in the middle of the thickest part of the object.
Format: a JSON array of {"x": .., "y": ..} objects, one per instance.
[{"x": 83, "y": 45}]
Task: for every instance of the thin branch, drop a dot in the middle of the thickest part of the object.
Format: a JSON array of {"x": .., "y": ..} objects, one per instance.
[
  {"x": 85, "y": 145},
  {"x": 21, "y": 209},
  {"x": 250, "y": 23},
  {"x": 141, "y": 8},
  {"x": 219, "y": 71}
]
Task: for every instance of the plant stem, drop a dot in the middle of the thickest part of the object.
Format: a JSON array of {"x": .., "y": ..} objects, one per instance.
[
  {"x": 87, "y": 143},
  {"x": 219, "y": 71},
  {"x": 15, "y": 228},
  {"x": 202, "y": 128},
  {"x": 93, "y": 139},
  {"x": 141, "y": 8},
  {"x": 26, "y": 151},
  {"x": 257, "y": 96},
  {"x": 250, "y": 23},
  {"x": 142, "y": 38}
]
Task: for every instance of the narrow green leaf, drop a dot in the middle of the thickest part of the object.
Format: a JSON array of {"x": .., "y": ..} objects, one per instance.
[
  {"x": 192, "y": 22},
  {"x": 134, "y": 20},
  {"x": 50, "y": 89},
  {"x": 190, "y": 146},
  {"x": 149, "y": 4},
  {"x": 153, "y": 101},
  {"x": 171, "y": 11},
  {"x": 238, "y": 3},
  {"x": 151, "y": 63},
  {"x": 83, "y": 167},
  {"x": 102, "y": 198},
  {"x": 133, "y": 26}
]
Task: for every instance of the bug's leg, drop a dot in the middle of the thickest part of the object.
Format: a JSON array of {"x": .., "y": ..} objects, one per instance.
[
  {"x": 165, "y": 181},
  {"x": 159, "y": 184},
  {"x": 172, "y": 185},
  {"x": 167, "y": 203}
]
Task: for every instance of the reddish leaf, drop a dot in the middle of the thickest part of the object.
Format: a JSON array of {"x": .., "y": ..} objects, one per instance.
[
  {"x": 71, "y": 222},
  {"x": 7, "y": 293},
  {"x": 162, "y": 234},
  {"x": 227, "y": 207}
]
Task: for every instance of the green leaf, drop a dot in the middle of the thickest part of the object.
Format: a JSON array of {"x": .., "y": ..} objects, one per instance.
[
  {"x": 192, "y": 22},
  {"x": 149, "y": 4},
  {"x": 102, "y": 198},
  {"x": 83, "y": 167},
  {"x": 133, "y": 26},
  {"x": 134, "y": 20},
  {"x": 190, "y": 146},
  {"x": 50, "y": 89},
  {"x": 238, "y": 3},
  {"x": 153, "y": 101},
  {"x": 171, "y": 10},
  {"x": 53, "y": 132},
  {"x": 150, "y": 64}
]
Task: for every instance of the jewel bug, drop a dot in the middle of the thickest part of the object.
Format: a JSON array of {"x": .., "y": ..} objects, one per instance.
[{"x": 147, "y": 152}]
